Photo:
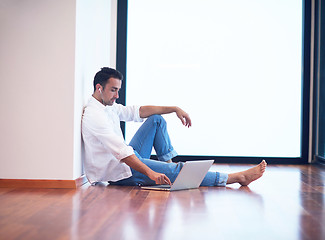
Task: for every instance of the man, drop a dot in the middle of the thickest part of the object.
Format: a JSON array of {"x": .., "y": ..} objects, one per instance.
[{"x": 109, "y": 158}]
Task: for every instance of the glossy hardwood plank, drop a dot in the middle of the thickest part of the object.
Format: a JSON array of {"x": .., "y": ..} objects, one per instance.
[{"x": 287, "y": 203}]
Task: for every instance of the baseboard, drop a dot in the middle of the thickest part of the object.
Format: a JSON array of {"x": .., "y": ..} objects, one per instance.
[{"x": 42, "y": 183}]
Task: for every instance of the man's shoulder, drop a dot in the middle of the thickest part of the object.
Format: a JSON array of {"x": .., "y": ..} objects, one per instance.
[
  {"x": 89, "y": 108},
  {"x": 118, "y": 105},
  {"x": 93, "y": 115}
]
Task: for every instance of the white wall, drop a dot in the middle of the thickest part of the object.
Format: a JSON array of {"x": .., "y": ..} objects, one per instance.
[
  {"x": 45, "y": 73},
  {"x": 95, "y": 48}
]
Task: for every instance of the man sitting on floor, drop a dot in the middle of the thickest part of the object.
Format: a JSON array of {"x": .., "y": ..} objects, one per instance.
[{"x": 109, "y": 158}]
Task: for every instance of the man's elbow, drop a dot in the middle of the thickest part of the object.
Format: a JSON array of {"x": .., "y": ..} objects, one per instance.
[{"x": 127, "y": 159}]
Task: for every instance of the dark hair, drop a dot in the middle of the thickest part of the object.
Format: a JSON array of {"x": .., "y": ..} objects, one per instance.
[{"x": 104, "y": 75}]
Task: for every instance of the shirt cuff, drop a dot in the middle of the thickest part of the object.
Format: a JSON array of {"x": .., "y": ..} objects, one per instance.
[
  {"x": 125, "y": 152},
  {"x": 137, "y": 117}
]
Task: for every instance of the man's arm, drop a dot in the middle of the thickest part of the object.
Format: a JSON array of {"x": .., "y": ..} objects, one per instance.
[
  {"x": 134, "y": 163},
  {"x": 147, "y": 111}
]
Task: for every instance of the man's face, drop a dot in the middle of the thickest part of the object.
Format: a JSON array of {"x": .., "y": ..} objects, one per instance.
[{"x": 110, "y": 92}]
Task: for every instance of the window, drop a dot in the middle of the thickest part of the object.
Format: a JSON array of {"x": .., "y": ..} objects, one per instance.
[{"x": 235, "y": 66}]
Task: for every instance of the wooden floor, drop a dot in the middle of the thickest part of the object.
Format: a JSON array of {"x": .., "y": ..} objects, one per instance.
[{"x": 287, "y": 203}]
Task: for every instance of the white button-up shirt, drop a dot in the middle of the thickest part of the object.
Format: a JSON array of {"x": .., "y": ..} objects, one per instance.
[{"x": 104, "y": 143}]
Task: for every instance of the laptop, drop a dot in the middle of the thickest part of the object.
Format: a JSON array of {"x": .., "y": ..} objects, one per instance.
[{"x": 190, "y": 176}]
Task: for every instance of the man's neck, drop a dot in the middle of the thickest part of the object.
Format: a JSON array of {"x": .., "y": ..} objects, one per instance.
[{"x": 98, "y": 98}]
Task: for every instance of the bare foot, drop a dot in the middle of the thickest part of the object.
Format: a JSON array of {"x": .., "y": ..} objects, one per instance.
[{"x": 246, "y": 177}]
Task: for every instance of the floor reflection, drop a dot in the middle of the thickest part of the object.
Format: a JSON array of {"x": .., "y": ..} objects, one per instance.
[
  {"x": 312, "y": 201},
  {"x": 287, "y": 203},
  {"x": 187, "y": 213}
]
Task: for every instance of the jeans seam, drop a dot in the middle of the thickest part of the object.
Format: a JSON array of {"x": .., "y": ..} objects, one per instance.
[
  {"x": 142, "y": 142},
  {"x": 166, "y": 142},
  {"x": 216, "y": 182}
]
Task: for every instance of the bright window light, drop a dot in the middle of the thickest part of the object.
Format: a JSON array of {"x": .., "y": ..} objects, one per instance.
[{"x": 234, "y": 66}]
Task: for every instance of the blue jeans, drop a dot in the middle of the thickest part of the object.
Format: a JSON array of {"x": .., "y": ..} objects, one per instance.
[{"x": 153, "y": 133}]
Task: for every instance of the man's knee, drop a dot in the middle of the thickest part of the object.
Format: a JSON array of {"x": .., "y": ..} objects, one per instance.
[{"x": 157, "y": 119}]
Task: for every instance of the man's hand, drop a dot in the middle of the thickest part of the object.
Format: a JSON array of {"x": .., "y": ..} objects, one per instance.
[
  {"x": 184, "y": 117},
  {"x": 159, "y": 178},
  {"x": 134, "y": 162}
]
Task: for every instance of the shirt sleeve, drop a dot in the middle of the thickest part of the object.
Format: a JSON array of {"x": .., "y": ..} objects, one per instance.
[
  {"x": 115, "y": 144},
  {"x": 129, "y": 113},
  {"x": 102, "y": 132}
]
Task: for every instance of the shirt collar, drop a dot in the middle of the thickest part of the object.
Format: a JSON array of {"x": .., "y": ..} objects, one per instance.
[{"x": 94, "y": 102}]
